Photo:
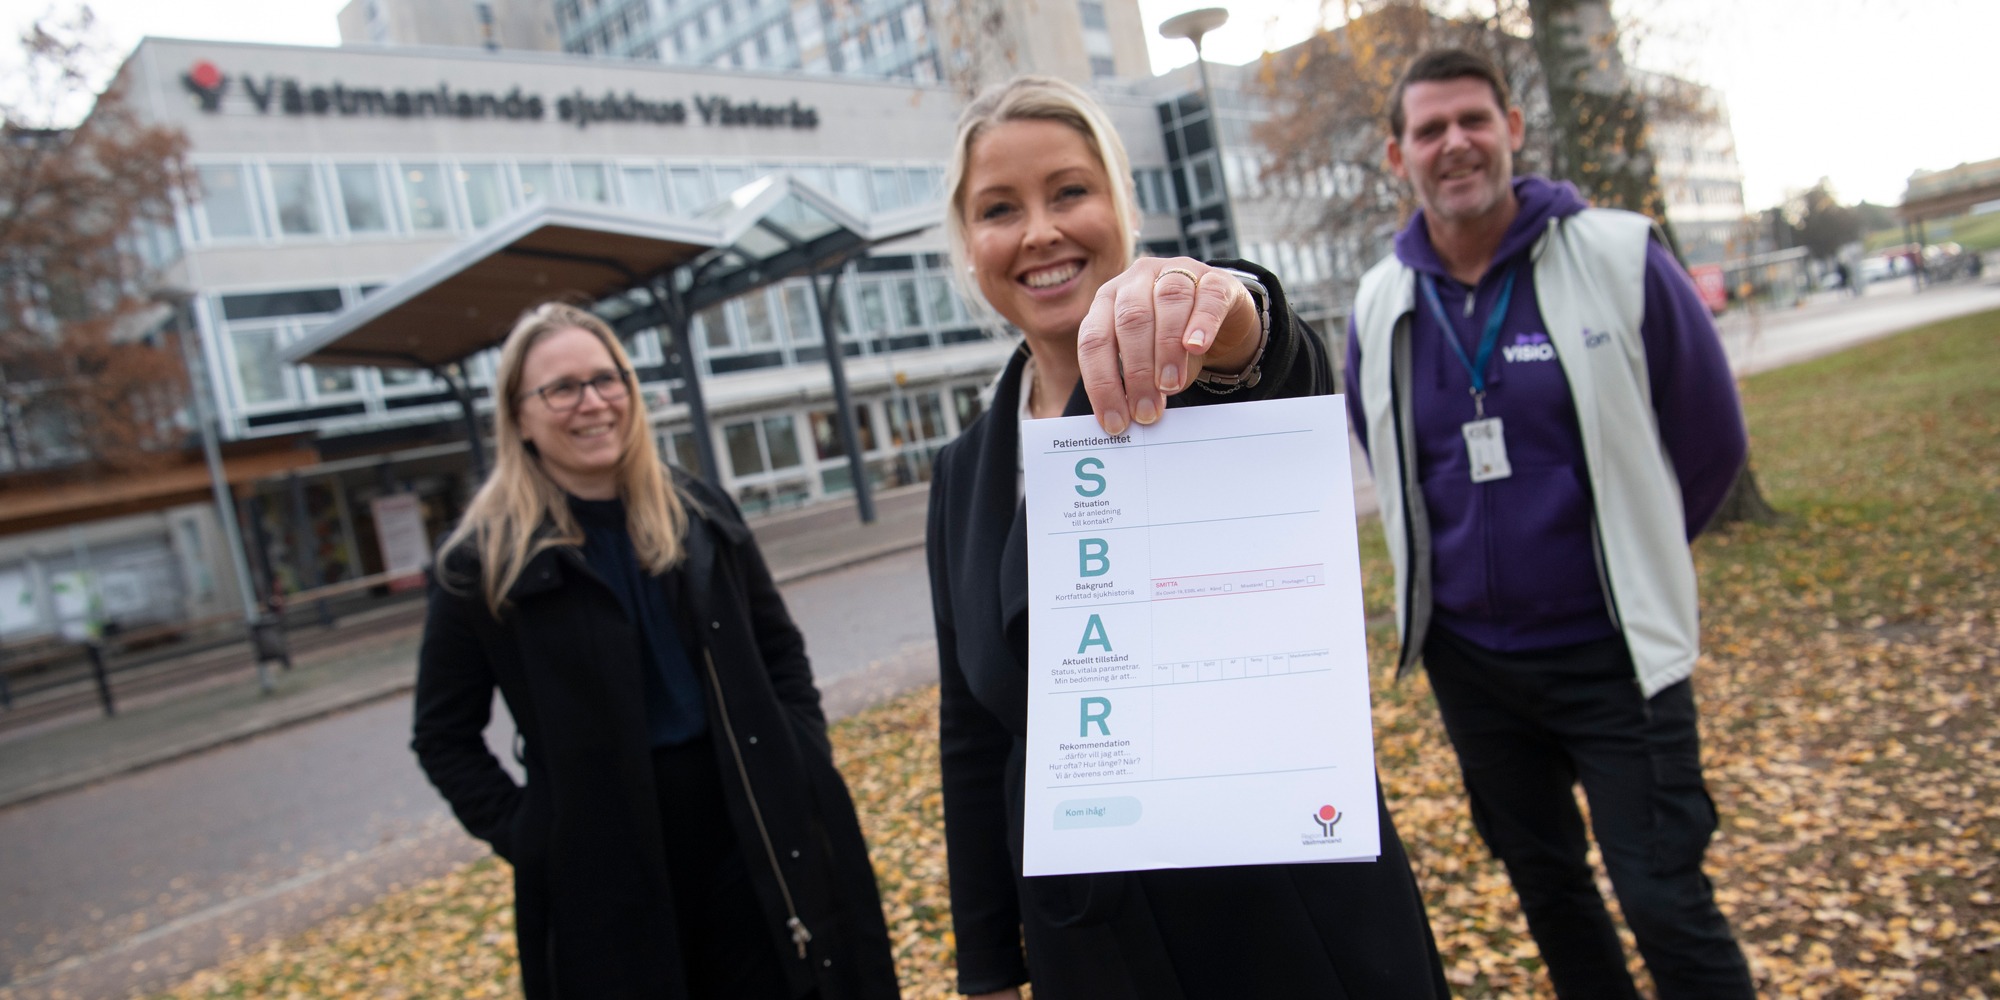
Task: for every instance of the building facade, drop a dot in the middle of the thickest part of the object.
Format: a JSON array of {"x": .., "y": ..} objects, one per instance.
[
  {"x": 1694, "y": 154},
  {"x": 484, "y": 24},
  {"x": 325, "y": 173},
  {"x": 968, "y": 42}
]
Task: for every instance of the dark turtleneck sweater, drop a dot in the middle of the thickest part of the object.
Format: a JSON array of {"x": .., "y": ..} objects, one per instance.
[{"x": 674, "y": 713}]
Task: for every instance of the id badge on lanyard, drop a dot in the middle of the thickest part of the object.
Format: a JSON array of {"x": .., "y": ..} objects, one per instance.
[
  {"x": 1486, "y": 450},
  {"x": 1485, "y": 439}
]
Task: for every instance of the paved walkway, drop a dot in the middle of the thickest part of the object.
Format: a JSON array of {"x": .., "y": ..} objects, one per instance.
[{"x": 378, "y": 661}]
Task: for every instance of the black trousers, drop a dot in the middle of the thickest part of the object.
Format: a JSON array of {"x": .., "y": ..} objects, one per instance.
[
  {"x": 1528, "y": 727},
  {"x": 725, "y": 937}
]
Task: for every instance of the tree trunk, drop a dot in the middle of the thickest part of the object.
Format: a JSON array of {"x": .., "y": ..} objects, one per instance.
[{"x": 1600, "y": 121}]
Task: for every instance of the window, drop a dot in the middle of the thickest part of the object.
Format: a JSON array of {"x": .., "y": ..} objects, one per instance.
[
  {"x": 826, "y": 433},
  {"x": 780, "y": 442},
  {"x": 691, "y": 191},
  {"x": 538, "y": 182},
  {"x": 816, "y": 177},
  {"x": 888, "y": 189},
  {"x": 930, "y": 415},
  {"x": 590, "y": 182},
  {"x": 799, "y": 315},
  {"x": 745, "y": 457},
  {"x": 364, "y": 202},
  {"x": 331, "y": 381},
  {"x": 965, "y": 400},
  {"x": 424, "y": 190},
  {"x": 1204, "y": 180},
  {"x": 728, "y": 179},
  {"x": 259, "y": 373},
  {"x": 394, "y": 379},
  {"x": 643, "y": 191},
  {"x": 1093, "y": 13},
  {"x": 679, "y": 447},
  {"x": 297, "y": 200},
  {"x": 944, "y": 299},
  {"x": 1101, "y": 67},
  {"x": 873, "y": 306},
  {"x": 850, "y": 187},
  {"x": 759, "y": 326},
  {"x": 265, "y": 305},
  {"x": 227, "y": 202},
  {"x": 485, "y": 193},
  {"x": 923, "y": 184},
  {"x": 908, "y": 312},
  {"x": 715, "y": 328}
]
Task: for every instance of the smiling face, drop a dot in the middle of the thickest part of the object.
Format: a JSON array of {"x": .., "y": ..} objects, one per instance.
[
  {"x": 1457, "y": 150},
  {"x": 580, "y": 449},
  {"x": 1042, "y": 232}
]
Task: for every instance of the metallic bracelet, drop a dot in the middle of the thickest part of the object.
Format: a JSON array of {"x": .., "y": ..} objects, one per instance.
[{"x": 1219, "y": 384}]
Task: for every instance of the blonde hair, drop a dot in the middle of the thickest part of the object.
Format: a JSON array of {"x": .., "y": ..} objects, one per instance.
[
  {"x": 1035, "y": 98},
  {"x": 504, "y": 523}
]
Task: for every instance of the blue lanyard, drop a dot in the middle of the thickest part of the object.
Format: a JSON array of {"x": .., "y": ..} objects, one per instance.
[{"x": 1474, "y": 366}]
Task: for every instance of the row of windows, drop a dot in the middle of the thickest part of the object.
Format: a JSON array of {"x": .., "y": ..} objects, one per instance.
[
  {"x": 872, "y": 307},
  {"x": 1702, "y": 192},
  {"x": 880, "y": 312},
  {"x": 248, "y": 201},
  {"x": 777, "y": 459}
]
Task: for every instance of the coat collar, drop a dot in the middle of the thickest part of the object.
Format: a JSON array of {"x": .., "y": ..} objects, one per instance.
[{"x": 708, "y": 517}]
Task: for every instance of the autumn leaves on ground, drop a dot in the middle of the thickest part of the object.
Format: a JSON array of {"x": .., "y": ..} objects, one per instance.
[{"x": 1848, "y": 697}]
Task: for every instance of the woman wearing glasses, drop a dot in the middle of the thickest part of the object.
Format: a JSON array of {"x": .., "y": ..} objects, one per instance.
[{"x": 683, "y": 832}]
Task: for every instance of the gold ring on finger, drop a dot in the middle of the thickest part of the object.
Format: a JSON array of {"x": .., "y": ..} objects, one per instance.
[{"x": 1191, "y": 276}]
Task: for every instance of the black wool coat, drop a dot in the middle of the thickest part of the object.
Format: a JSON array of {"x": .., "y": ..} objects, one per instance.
[
  {"x": 1353, "y": 930},
  {"x": 594, "y": 913}
]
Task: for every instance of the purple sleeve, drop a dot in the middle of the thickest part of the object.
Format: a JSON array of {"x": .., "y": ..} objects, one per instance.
[
  {"x": 1694, "y": 392},
  {"x": 1350, "y": 376}
]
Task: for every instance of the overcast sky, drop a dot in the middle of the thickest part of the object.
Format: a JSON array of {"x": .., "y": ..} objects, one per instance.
[{"x": 1860, "y": 91}]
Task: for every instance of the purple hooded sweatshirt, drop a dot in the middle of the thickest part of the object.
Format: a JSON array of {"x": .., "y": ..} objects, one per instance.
[{"x": 1513, "y": 566}]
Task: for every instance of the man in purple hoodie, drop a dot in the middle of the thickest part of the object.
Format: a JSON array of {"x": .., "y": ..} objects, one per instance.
[{"x": 1551, "y": 419}]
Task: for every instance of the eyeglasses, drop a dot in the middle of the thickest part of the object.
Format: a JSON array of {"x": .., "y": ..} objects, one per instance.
[{"x": 566, "y": 394}]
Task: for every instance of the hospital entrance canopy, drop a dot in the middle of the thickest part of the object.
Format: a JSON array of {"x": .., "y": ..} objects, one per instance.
[{"x": 641, "y": 270}]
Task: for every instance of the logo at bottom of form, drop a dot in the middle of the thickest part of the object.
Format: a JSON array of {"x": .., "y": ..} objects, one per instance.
[{"x": 1327, "y": 817}]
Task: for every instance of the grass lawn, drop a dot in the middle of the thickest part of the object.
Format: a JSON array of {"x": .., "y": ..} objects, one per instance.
[{"x": 1848, "y": 697}]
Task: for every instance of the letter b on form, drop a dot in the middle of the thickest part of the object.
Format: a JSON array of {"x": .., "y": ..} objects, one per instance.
[
  {"x": 1094, "y": 711},
  {"x": 1096, "y": 481},
  {"x": 1093, "y": 557}
]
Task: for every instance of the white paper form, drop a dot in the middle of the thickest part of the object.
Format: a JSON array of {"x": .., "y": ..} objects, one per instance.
[{"x": 1198, "y": 668}]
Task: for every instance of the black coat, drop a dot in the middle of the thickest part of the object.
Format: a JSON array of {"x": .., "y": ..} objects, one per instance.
[
  {"x": 1325, "y": 930},
  {"x": 594, "y": 908}
]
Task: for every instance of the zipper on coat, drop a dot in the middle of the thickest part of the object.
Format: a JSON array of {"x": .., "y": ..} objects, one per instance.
[{"x": 800, "y": 935}]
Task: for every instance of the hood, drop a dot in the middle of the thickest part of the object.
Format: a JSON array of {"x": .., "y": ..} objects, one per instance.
[{"x": 1541, "y": 199}]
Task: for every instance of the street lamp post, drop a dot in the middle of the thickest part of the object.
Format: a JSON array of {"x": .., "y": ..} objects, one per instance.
[
  {"x": 1192, "y": 25},
  {"x": 263, "y": 632}
]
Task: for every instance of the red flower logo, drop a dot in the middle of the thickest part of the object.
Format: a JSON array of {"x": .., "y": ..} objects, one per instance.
[
  {"x": 206, "y": 83},
  {"x": 205, "y": 75}
]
